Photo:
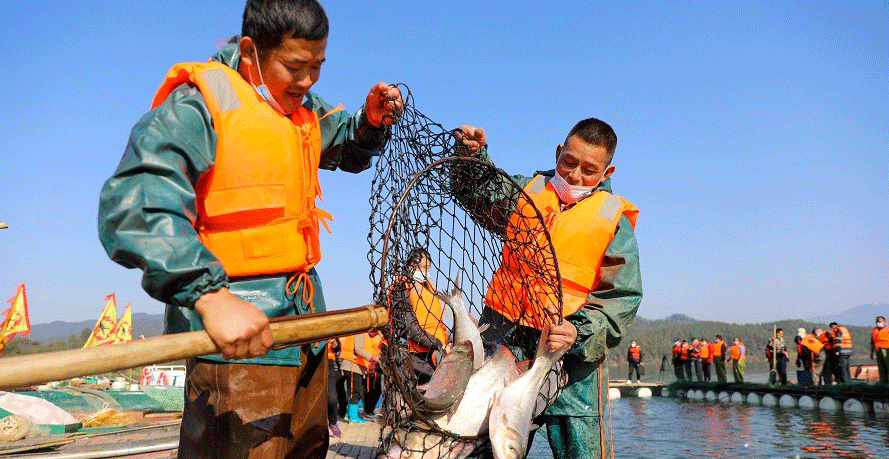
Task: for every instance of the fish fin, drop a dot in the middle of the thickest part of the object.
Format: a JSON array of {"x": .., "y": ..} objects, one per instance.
[{"x": 541, "y": 343}]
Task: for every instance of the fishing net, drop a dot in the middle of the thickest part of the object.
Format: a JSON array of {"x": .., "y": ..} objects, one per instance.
[{"x": 433, "y": 203}]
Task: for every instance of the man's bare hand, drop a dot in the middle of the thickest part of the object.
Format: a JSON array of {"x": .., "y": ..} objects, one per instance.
[
  {"x": 383, "y": 104},
  {"x": 471, "y": 138},
  {"x": 239, "y": 328},
  {"x": 560, "y": 334}
]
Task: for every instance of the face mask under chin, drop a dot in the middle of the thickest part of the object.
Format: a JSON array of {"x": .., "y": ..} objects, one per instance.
[{"x": 569, "y": 194}]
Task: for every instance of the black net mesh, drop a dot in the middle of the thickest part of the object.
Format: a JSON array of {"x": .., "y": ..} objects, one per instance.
[{"x": 467, "y": 222}]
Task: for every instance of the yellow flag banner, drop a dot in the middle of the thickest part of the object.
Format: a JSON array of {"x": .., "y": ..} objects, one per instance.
[
  {"x": 17, "y": 321},
  {"x": 103, "y": 331},
  {"x": 123, "y": 331}
]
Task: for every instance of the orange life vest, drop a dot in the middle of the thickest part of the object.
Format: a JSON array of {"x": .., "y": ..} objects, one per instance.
[
  {"x": 427, "y": 308},
  {"x": 634, "y": 353},
  {"x": 372, "y": 344},
  {"x": 706, "y": 351},
  {"x": 676, "y": 350},
  {"x": 826, "y": 339},
  {"x": 347, "y": 351},
  {"x": 880, "y": 337},
  {"x": 330, "y": 354},
  {"x": 812, "y": 343},
  {"x": 717, "y": 348},
  {"x": 683, "y": 354},
  {"x": 845, "y": 338},
  {"x": 579, "y": 238},
  {"x": 735, "y": 352},
  {"x": 256, "y": 205}
]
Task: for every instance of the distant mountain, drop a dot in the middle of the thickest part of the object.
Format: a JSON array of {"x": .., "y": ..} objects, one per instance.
[
  {"x": 680, "y": 319},
  {"x": 860, "y": 315},
  {"x": 143, "y": 324}
]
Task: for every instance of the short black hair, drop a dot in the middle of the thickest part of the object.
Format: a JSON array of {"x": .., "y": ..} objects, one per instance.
[
  {"x": 832, "y": 324},
  {"x": 414, "y": 257},
  {"x": 269, "y": 22},
  {"x": 719, "y": 336},
  {"x": 880, "y": 317},
  {"x": 595, "y": 132},
  {"x": 780, "y": 329}
]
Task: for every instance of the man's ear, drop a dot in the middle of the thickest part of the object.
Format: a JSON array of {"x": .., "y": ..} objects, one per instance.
[
  {"x": 608, "y": 171},
  {"x": 246, "y": 45},
  {"x": 558, "y": 152}
]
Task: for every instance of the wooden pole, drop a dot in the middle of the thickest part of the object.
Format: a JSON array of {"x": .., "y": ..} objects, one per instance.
[{"x": 27, "y": 370}]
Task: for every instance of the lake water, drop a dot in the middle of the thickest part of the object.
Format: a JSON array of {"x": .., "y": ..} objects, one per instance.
[{"x": 667, "y": 428}]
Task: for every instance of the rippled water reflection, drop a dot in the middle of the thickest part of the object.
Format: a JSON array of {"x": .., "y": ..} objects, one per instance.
[{"x": 665, "y": 428}]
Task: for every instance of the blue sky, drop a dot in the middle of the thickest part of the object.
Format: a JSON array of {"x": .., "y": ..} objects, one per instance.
[{"x": 752, "y": 135}]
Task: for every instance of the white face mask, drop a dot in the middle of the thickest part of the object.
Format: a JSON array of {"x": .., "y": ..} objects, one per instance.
[
  {"x": 263, "y": 90},
  {"x": 419, "y": 276},
  {"x": 569, "y": 194},
  {"x": 880, "y": 325}
]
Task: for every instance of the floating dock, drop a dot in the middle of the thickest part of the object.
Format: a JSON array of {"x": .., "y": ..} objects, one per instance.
[{"x": 857, "y": 398}]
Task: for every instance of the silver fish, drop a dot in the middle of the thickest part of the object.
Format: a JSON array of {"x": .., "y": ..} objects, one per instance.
[
  {"x": 421, "y": 445},
  {"x": 464, "y": 327},
  {"x": 449, "y": 380},
  {"x": 514, "y": 405}
]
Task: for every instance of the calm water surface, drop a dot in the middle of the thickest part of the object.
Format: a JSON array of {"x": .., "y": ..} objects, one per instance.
[{"x": 666, "y": 428}]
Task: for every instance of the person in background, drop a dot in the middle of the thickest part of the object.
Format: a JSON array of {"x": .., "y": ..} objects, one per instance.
[
  {"x": 738, "y": 360},
  {"x": 373, "y": 378},
  {"x": 706, "y": 358},
  {"x": 843, "y": 340},
  {"x": 334, "y": 374},
  {"x": 634, "y": 359},
  {"x": 685, "y": 358},
  {"x": 824, "y": 364},
  {"x": 678, "y": 369},
  {"x": 414, "y": 305},
  {"x": 777, "y": 349},
  {"x": 694, "y": 353},
  {"x": 720, "y": 351},
  {"x": 805, "y": 355},
  {"x": 879, "y": 348},
  {"x": 356, "y": 359}
]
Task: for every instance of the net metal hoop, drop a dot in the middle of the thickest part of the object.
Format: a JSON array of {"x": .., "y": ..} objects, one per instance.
[{"x": 398, "y": 383}]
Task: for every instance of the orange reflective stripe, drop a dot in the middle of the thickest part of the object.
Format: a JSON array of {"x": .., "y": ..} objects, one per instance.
[{"x": 256, "y": 205}]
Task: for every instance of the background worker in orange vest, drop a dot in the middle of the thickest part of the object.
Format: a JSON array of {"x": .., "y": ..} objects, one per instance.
[
  {"x": 634, "y": 359},
  {"x": 720, "y": 351},
  {"x": 843, "y": 340},
  {"x": 356, "y": 359},
  {"x": 738, "y": 361},
  {"x": 214, "y": 199},
  {"x": 374, "y": 378},
  {"x": 591, "y": 228},
  {"x": 706, "y": 357},
  {"x": 879, "y": 348},
  {"x": 334, "y": 374},
  {"x": 830, "y": 357},
  {"x": 685, "y": 360},
  {"x": 419, "y": 312},
  {"x": 678, "y": 369}
]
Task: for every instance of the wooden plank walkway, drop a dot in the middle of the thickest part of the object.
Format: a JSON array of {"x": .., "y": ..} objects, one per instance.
[{"x": 359, "y": 441}]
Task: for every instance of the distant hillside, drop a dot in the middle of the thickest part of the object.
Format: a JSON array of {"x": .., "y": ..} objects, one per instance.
[
  {"x": 143, "y": 324},
  {"x": 863, "y": 315},
  {"x": 655, "y": 338}
]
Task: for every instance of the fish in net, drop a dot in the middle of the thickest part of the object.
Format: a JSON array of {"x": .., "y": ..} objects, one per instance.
[{"x": 454, "y": 240}]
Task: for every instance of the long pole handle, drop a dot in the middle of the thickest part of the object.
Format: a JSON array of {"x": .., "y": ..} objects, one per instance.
[{"x": 26, "y": 370}]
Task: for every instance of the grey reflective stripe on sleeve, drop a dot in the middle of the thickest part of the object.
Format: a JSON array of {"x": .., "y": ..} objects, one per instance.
[
  {"x": 536, "y": 185},
  {"x": 222, "y": 90},
  {"x": 610, "y": 208}
]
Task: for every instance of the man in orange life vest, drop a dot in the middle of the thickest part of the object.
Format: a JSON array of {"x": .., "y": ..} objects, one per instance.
[
  {"x": 737, "y": 352},
  {"x": 829, "y": 361},
  {"x": 214, "y": 200},
  {"x": 843, "y": 340},
  {"x": 593, "y": 239},
  {"x": 706, "y": 357},
  {"x": 879, "y": 348},
  {"x": 720, "y": 351},
  {"x": 634, "y": 359},
  {"x": 678, "y": 369}
]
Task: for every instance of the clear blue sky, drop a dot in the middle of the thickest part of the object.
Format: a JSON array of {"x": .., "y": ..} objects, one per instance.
[{"x": 752, "y": 135}]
